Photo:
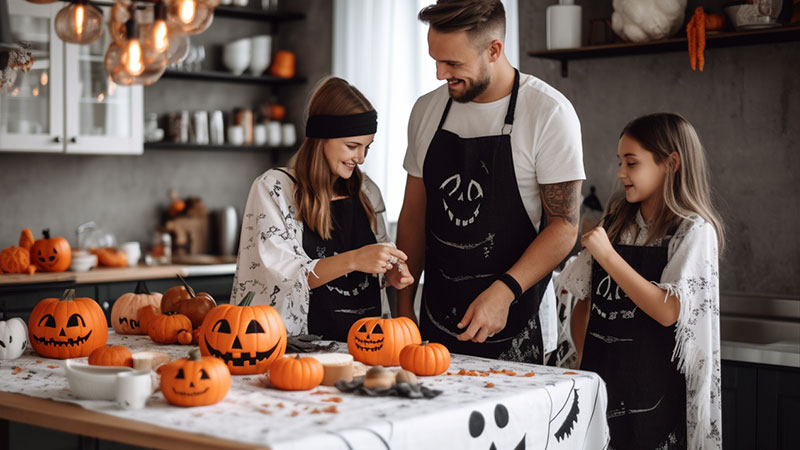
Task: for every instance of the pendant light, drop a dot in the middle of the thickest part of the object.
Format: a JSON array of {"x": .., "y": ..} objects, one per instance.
[
  {"x": 192, "y": 16},
  {"x": 80, "y": 22},
  {"x": 156, "y": 35}
]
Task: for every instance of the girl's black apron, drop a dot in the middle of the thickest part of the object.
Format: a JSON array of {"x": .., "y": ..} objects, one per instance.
[
  {"x": 632, "y": 353},
  {"x": 476, "y": 228},
  {"x": 336, "y": 305}
]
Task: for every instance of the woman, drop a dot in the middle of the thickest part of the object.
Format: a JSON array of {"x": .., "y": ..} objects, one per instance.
[{"x": 313, "y": 237}]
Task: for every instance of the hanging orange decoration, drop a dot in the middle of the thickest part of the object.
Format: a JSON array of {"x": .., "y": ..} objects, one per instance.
[{"x": 696, "y": 35}]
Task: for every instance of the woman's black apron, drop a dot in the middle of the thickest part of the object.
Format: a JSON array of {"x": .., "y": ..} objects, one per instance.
[
  {"x": 476, "y": 228},
  {"x": 632, "y": 353},
  {"x": 336, "y": 305}
]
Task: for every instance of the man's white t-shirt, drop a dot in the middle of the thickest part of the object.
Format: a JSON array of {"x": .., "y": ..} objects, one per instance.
[{"x": 545, "y": 145}]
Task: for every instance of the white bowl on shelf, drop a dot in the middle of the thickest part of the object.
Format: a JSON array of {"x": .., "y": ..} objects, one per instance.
[
  {"x": 260, "y": 53},
  {"x": 236, "y": 55},
  {"x": 748, "y": 17},
  {"x": 82, "y": 261}
]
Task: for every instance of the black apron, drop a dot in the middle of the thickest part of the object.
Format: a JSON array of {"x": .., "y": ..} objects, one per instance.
[
  {"x": 632, "y": 353},
  {"x": 336, "y": 305},
  {"x": 476, "y": 228}
]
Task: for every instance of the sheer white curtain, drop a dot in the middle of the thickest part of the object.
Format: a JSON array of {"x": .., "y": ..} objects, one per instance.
[{"x": 380, "y": 47}]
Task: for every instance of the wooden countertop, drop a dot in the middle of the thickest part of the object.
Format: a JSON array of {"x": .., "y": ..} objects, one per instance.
[
  {"x": 74, "y": 419},
  {"x": 105, "y": 274}
]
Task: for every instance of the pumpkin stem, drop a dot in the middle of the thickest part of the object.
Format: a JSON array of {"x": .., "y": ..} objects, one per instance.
[
  {"x": 46, "y": 233},
  {"x": 386, "y": 316},
  {"x": 68, "y": 295},
  {"x": 297, "y": 356},
  {"x": 248, "y": 299},
  {"x": 194, "y": 355},
  {"x": 141, "y": 288},
  {"x": 186, "y": 284},
  {"x": 424, "y": 343}
]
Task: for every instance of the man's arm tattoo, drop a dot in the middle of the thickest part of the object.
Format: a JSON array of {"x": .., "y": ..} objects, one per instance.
[{"x": 561, "y": 201}]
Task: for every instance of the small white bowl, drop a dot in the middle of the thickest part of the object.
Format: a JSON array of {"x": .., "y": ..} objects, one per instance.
[
  {"x": 93, "y": 382},
  {"x": 748, "y": 17},
  {"x": 83, "y": 262},
  {"x": 236, "y": 55}
]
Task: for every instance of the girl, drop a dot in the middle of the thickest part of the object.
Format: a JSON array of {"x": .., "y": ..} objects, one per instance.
[
  {"x": 313, "y": 235},
  {"x": 649, "y": 322}
]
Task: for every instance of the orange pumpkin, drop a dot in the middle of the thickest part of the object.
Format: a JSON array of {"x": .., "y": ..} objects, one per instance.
[
  {"x": 110, "y": 257},
  {"x": 111, "y": 355},
  {"x": 146, "y": 314},
  {"x": 248, "y": 338},
  {"x": 125, "y": 312},
  {"x": 16, "y": 260},
  {"x": 195, "y": 381},
  {"x": 185, "y": 337},
  {"x": 296, "y": 374},
  {"x": 425, "y": 359},
  {"x": 51, "y": 254},
  {"x": 164, "y": 328},
  {"x": 68, "y": 327},
  {"x": 26, "y": 239},
  {"x": 183, "y": 300},
  {"x": 378, "y": 340},
  {"x": 715, "y": 22}
]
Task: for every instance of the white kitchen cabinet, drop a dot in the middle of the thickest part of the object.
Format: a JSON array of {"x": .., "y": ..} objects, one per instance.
[{"x": 66, "y": 103}]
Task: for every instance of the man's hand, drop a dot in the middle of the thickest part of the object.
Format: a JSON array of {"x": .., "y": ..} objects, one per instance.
[
  {"x": 399, "y": 276},
  {"x": 487, "y": 314}
]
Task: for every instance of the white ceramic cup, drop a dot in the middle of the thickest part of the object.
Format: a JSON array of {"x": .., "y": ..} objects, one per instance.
[
  {"x": 288, "y": 135},
  {"x": 236, "y": 135},
  {"x": 236, "y": 55},
  {"x": 274, "y": 133},
  {"x": 260, "y": 53},
  {"x": 133, "y": 250},
  {"x": 133, "y": 389},
  {"x": 260, "y": 134}
]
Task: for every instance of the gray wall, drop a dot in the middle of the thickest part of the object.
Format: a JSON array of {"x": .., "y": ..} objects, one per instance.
[
  {"x": 745, "y": 106},
  {"x": 126, "y": 194}
]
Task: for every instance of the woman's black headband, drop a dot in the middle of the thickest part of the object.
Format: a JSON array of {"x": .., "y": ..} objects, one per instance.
[{"x": 328, "y": 127}]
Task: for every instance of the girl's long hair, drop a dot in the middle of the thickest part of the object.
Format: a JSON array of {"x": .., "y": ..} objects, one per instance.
[
  {"x": 315, "y": 189},
  {"x": 685, "y": 191}
]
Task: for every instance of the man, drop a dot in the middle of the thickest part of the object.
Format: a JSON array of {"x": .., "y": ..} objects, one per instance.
[{"x": 491, "y": 205}]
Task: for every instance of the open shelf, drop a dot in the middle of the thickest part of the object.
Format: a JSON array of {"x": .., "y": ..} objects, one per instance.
[
  {"x": 719, "y": 40},
  {"x": 227, "y": 77},
  {"x": 275, "y": 151},
  {"x": 241, "y": 12}
]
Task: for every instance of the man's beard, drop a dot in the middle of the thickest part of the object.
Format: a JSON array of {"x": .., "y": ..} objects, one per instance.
[{"x": 473, "y": 91}]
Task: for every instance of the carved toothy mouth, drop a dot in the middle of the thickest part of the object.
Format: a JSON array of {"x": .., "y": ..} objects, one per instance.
[
  {"x": 68, "y": 343},
  {"x": 520, "y": 446},
  {"x": 131, "y": 323},
  {"x": 191, "y": 393},
  {"x": 376, "y": 344},
  {"x": 243, "y": 358}
]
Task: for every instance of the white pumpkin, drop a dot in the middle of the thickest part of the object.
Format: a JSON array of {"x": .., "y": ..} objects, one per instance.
[{"x": 13, "y": 338}]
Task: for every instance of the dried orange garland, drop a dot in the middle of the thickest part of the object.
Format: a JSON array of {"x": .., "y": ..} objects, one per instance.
[{"x": 696, "y": 35}]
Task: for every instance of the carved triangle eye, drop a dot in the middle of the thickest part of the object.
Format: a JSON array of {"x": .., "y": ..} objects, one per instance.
[
  {"x": 363, "y": 328},
  {"x": 180, "y": 375},
  {"x": 254, "y": 327},
  {"x": 49, "y": 321},
  {"x": 74, "y": 319},
  {"x": 222, "y": 326},
  {"x": 377, "y": 329}
]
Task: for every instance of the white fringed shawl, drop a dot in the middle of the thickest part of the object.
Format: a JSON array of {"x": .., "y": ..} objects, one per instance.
[
  {"x": 692, "y": 274},
  {"x": 271, "y": 260}
]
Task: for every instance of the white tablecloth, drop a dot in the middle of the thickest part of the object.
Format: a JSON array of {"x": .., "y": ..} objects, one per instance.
[{"x": 528, "y": 406}]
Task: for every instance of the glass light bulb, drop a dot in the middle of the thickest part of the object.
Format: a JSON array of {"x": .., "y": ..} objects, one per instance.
[
  {"x": 160, "y": 36},
  {"x": 186, "y": 10},
  {"x": 132, "y": 58},
  {"x": 79, "y": 23}
]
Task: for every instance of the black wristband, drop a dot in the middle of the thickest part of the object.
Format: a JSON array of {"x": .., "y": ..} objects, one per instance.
[{"x": 512, "y": 284}]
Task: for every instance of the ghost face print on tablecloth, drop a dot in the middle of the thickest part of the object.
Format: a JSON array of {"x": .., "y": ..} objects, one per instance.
[{"x": 495, "y": 430}]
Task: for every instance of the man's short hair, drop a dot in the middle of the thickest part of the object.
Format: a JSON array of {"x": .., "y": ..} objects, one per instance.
[{"x": 483, "y": 20}]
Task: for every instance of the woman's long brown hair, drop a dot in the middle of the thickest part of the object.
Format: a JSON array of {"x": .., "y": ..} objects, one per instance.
[
  {"x": 315, "y": 189},
  {"x": 685, "y": 191}
]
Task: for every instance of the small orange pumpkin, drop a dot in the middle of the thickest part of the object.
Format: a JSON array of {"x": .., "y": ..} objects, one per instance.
[
  {"x": 110, "y": 257},
  {"x": 18, "y": 259},
  {"x": 164, "y": 328},
  {"x": 379, "y": 340},
  {"x": 111, "y": 355},
  {"x": 296, "y": 374},
  {"x": 248, "y": 338},
  {"x": 146, "y": 314},
  {"x": 195, "y": 381},
  {"x": 183, "y": 300},
  {"x": 51, "y": 254},
  {"x": 185, "y": 337},
  {"x": 425, "y": 359},
  {"x": 68, "y": 327},
  {"x": 125, "y": 312}
]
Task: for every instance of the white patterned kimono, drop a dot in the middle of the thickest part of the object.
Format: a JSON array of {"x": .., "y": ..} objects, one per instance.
[
  {"x": 271, "y": 261},
  {"x": 691, "y": 274}
]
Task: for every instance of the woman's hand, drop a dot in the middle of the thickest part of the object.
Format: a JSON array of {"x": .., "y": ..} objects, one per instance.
[
  {"x": 378, "y": 258},
  {"x": 596, "y": 241},
  {"x": 399, "y": 277}
]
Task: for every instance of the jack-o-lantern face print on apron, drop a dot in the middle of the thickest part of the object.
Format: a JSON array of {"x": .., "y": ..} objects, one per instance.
[{"x": 476, "y": 228}]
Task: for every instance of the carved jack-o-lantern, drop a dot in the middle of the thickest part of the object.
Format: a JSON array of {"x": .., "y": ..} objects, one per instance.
[
  {"x": 379, "y": 340},
  {"x": 248, "y": 338},
  {"x": 68, "y": 327},
  {"x": 125, "y": 312},
  {"x": 51, "y": 254},
  {"x": 461, "y": 199},
  {"x": 13, "y": 338},
  {"x": 195, "y": 381}
]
